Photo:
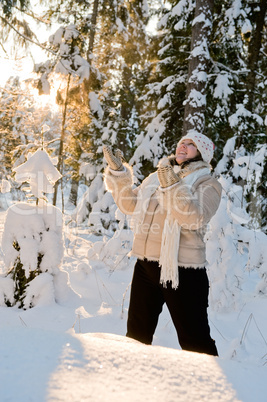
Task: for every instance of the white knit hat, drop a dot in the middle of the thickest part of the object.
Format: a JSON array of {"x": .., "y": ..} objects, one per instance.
[{"x": 203, "y": 144}]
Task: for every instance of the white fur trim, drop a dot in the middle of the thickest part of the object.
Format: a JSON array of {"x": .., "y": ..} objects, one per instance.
[{"x": 117, "y": 172}]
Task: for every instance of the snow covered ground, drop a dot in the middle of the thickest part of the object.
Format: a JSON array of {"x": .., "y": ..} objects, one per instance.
[
  {"x": 76, "y": 351},
  {"x": 42, "y": 365}
]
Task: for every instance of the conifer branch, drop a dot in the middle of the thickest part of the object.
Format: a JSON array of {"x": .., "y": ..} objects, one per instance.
[
  {"x": 34, "y": 16},
  {"x": 26, "y": 37}
]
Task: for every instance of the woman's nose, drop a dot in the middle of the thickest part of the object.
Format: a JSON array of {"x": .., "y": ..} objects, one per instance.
[{"x": 182, "y": 146}]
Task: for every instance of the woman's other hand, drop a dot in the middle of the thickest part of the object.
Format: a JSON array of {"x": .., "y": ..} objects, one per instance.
[{"x": 166, "y": 175}]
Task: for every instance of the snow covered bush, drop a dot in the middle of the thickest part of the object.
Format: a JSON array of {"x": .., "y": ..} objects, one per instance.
[
  {"x": 96, "y": 204},
  {"x": 114, "y": 250},
  {"x": 236, "y": 243},
  {"x": 236, "y": 253},
  {"x": 32, "y": 245},
  {"x": 32, "y": 240}
]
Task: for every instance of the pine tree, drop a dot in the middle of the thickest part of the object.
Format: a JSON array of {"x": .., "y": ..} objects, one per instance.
[
  {"x": 21, "y": 119},
  {"x": 7, "y": 6},
  {"x": 232, "y": 109},
  {"x": 11, "y": 115},
  {"x": 32, "y": 242},
  {"x": 121, "y": 49},
  {"x": 163, "y": 109},
  {"x": 199, "y": 60},
  {"x": 120, "y": 52}
]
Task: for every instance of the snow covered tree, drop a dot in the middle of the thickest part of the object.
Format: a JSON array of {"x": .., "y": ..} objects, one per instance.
[
  {"x": 238, "y": 65},
  {"x": 67, "y": 43},
  {"x": 117, "y": 55},
  {"x": 236, "y": 252},
  {"x": 163, "y": 109},
  {"x": 18, "y": 24},
  {"x": 32, "y": 240},
  {"x": 7, "y": 5},
  {"x": 256, "y": 45},
  {"x": 11, "y": 112},
  {"x": 73, "y": 45},
  {"x": 120, "y": 52},
  {"x": 199, "y": 60},
  {"x": 101, "y": 105},
  {"x": 21, "y": 119}
]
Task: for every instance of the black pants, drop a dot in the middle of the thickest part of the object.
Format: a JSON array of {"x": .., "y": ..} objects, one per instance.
[{"x": 187, "y": 305}]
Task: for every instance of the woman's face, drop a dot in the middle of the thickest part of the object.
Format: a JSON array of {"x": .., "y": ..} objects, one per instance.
[{"x": 185, "y": 151}]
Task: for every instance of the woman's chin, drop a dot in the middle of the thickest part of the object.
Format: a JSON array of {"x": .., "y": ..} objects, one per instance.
[{"x": 180, "y": 160}]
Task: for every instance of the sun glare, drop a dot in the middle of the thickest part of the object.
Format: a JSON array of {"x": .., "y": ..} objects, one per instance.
[
  {"x": 44, "y": 101},
  {"x": 47, "y": 101},
  {"x": 6, "y": 71},
  {"x": 23, "y": 70}
]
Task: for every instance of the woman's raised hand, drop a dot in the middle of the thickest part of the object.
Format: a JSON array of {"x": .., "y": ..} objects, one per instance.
[
  {"x": 166, "y": 175},
  {"x": 114, "y": 160}
]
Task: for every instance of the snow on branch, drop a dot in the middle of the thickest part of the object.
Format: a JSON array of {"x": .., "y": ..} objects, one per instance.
[{"x": 39, "y": 172}]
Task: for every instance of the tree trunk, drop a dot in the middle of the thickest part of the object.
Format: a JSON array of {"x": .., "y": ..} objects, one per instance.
[
  {"x": 92, "y": 30},
  {"x": 254, "y": 50},
  {"x": 74, "y": 191},
  {"x": 195, "y": 103},
  {"x": 62, "y": 138},
  {"x": 87, "y": 84}
]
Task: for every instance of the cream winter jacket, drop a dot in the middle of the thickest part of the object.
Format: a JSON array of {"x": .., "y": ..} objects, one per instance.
[{"x": 192, "y": 207}]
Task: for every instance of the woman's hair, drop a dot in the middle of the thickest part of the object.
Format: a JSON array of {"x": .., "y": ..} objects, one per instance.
[{"x": 172, "y": 160}]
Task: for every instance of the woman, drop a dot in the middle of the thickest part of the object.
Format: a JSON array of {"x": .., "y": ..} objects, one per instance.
[{"x": 170, "y": 211}]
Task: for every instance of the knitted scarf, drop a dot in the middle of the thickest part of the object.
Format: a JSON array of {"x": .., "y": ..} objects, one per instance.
[{"x": 171, "y": 232}]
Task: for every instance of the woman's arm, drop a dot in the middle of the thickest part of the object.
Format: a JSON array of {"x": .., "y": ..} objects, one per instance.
[{"x": 119, "y": 183}]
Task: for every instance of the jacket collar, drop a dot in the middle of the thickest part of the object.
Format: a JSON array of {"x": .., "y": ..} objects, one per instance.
[{"x": 192, "y": 167}]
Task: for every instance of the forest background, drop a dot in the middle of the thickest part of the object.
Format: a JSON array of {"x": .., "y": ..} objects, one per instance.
[
  {"x": 138, "y": 75},
  {"x": 108, "y": 78}
]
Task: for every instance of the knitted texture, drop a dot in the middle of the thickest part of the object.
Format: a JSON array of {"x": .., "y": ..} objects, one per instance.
[
  {"x": 166, "y": 176},
  {"x": 203, "y": 144},
  {"x": 114, "y": 161}
]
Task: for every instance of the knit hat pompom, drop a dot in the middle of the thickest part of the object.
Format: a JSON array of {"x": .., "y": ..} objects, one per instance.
[{"x": 203, "y": 144}]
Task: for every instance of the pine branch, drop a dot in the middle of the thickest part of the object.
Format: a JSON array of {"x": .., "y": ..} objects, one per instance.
[
  {"x": 34, "y": 16},
  {"x": 12, "y": 92},
  {"x": 224, "y": 67},
  {"x": 26, "y": 37},
  {"x": 2, "y": 46},
  {"x": 70, "y": 71}
]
